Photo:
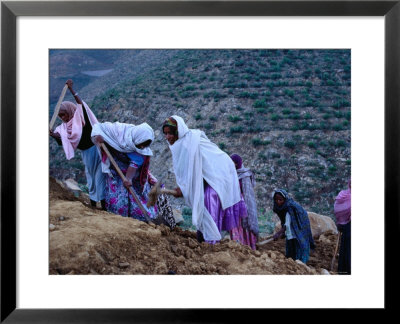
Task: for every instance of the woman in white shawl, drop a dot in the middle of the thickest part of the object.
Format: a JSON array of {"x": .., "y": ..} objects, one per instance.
[
  {"x": 74, "y": 133},
  {"x": 130, "y": 147},
  {"x": 207, "y": 180}
]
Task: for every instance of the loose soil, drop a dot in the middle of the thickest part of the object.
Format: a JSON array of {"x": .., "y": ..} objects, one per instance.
[{"x": 87, "y": 240}]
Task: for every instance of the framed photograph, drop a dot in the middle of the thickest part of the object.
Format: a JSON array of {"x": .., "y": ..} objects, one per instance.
[{"x": 367, "y": 29}]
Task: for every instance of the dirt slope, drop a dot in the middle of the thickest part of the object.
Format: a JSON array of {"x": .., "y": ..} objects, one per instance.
[{"x": 84, "y": 240}]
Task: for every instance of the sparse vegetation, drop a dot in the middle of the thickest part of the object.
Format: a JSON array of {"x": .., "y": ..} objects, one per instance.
[{"x": 253, "y": 102}]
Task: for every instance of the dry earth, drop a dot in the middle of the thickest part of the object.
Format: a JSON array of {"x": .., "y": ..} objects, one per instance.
[{"x": 84, "y": 240}]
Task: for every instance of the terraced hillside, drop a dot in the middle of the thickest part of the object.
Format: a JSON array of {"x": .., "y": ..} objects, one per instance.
[{"x": 287, "y": 112}]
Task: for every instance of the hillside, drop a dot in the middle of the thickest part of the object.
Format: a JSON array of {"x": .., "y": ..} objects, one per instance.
[
  {"x": 286, "y": 112},
  {"x": 84, "y": 240}
]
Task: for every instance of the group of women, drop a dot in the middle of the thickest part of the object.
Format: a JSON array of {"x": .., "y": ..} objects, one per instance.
[{"x": 217, "y": 187}]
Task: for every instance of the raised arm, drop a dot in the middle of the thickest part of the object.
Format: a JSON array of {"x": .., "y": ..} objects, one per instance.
[{"x": 75, "y": 94}]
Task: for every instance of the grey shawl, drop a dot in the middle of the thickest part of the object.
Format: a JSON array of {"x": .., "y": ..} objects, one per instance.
[{"x": 247, "y": 184}]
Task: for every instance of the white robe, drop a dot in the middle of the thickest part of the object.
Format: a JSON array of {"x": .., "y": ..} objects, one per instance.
[{"x": 196, "y": 158}]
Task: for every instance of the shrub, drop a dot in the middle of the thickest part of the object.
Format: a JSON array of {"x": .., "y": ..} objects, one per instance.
[
  {"x": 259, "y": 141},
  {"x": 262, "y": 157},
  {"x": 340, "y": 143},
  {"x": 236, "y": 129},
  {"x": 311, "y": 145},
  {"x": 189, "y": 88},
  {"x": 261, "y": 110},
  {"x": 276, "y": 76},
  {"x": 306, "y": 74},
  {"x": 239, "y": 63},
  {"x": 245, "y": 94},
  {"x": 290, "y": 144},
  {"x": 338, "y": 127},
  {"x": 275, "y": 117},
  {"x": 261, "y": 103},
  {"x": 289, "y": 93},
  {"x": 234, "y": 119},
  {"x": 214, "y": 94},
  {"x": 222, "y": 145},
  {"x": 332, "y": 169},
  {"x": 341, "y": 103},
  {"x": 255, "y": 129}
]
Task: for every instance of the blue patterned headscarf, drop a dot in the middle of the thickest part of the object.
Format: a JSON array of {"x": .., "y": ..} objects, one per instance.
[{"x": 300, "y": 223}]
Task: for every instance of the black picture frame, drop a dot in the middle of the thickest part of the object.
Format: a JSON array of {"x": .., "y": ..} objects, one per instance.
[{"x": 10, "y": 10}]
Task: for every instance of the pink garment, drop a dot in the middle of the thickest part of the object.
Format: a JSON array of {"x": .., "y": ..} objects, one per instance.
[
  {"x": 342, "y": 207},
  {"x": 229, "y": 219},
  {"x": 71, "y": 131},
  {"x": 243, "y": 236}
]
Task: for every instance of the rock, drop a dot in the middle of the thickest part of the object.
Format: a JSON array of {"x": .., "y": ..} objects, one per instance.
[
  {"x": 61, "y": 218},
  {"x": 181, "y": 258},
  {"x": 178, "y": 216},
  {"x": 72, "y": 185},
  {"x": 302, "y": 263},
  {"x": 123, "y": 265},
  {"x": 324, "y": 239},
  {"x": 320, "y": 224},
  {"x": 324, "y": 272},
  {"x": 192, "y": 243},
  {"x": 52, "y": 227}
]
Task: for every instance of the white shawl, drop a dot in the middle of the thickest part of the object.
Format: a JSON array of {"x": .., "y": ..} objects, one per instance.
[
  {"x": 196, "y": 158},
  {"x": 124, "y": 138}
]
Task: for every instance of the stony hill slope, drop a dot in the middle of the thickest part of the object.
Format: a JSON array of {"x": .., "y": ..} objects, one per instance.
[{"x": 287, "y": 112}]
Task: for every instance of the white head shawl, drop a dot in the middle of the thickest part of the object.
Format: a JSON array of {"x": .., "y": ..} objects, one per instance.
[
  {"x": 124, "y": 138},
  {"x": 196, "y": 158}
]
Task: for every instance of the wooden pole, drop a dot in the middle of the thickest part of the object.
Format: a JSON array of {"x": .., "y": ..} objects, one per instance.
[
  {"x": 336, "y": 250},
  {"x": 57, "y": 109},
  {"x": 148, "y": 219}
]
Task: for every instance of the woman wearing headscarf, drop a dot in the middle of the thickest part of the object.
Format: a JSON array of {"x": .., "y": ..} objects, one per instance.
[
  {"x": 74, "y": 133},
  {"x": 342, "y": 210},
  {"x": 247, "y": 184},
  {"x": 206, "y": 179},
  {"x": 129, "y": 146},
  {"x": 295, "y": 226}
]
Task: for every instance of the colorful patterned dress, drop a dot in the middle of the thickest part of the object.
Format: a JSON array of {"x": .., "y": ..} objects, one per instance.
[{"x": 118, "y": 198}]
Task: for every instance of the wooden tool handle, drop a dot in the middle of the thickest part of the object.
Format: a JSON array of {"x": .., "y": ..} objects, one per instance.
[
  {"x": 57, "y": 109},
  {"x": 336, "y": 251},
  {"x": 265, "y": 242},
  {"x": 168, "y": 191},
  {"x": 148, "y": 219}
]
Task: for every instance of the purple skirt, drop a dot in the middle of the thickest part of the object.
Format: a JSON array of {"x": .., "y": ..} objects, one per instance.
[{"x": 227, "y": 219}]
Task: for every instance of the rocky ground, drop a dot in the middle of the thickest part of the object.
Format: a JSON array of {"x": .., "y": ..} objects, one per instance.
[{"x": 85, "y": 240}]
